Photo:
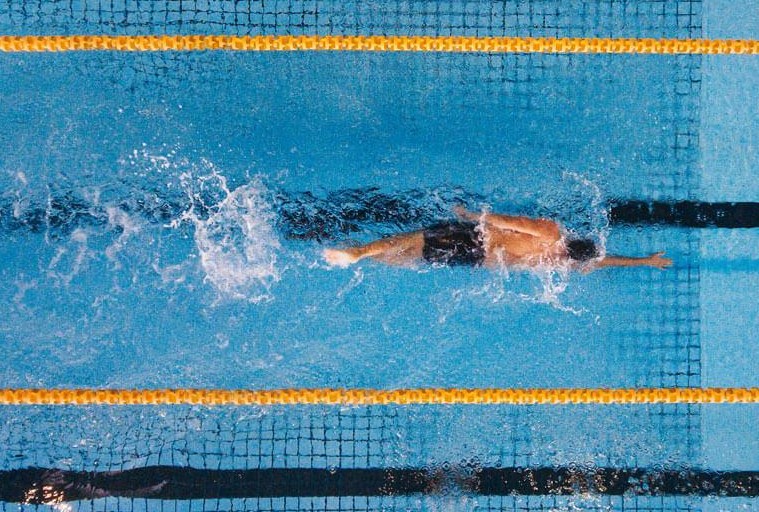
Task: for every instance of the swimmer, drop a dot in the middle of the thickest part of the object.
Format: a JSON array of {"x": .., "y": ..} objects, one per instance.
[{"x": 490, "y": 240}]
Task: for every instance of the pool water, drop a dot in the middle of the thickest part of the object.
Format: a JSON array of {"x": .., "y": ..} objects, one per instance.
[{"x": 162, "y": 218}]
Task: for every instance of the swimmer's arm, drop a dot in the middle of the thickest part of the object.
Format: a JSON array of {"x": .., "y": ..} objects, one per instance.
[
  {"x": 655, "y": 260},
  {"x": 542, "y": 228}
]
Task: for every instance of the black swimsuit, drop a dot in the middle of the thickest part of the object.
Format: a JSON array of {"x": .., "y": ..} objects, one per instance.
[{"x": 453, "y": 243}]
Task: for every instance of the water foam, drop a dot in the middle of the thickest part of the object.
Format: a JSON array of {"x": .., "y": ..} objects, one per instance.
[
  {"x": 121, "y": 221},
  {"x": 234, "y": 235},
  {"x": 70, "y": 259}
]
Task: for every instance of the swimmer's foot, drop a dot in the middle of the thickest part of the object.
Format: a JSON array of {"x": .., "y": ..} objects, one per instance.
[{"x": 340, "y": 257}]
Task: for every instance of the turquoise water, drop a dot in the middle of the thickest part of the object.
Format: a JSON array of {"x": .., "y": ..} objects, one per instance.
[
  {"x": 149, "y": 240},
  {"x": 235, "y": 149}
]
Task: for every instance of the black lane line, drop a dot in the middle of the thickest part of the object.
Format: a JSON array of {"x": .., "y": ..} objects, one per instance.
[
  {"x": 690, "y": 214},
  {"x": 616, "y": 482},
  {"x": 40, "y": 485},
  {"x": 340, "y": 213}
]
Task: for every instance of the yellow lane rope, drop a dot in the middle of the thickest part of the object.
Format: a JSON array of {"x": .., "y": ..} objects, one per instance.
[
  {"x": 376, "y": 396},
  {"x": 376, "y": 43}
]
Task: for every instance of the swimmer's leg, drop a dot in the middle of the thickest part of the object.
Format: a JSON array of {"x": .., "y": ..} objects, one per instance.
[{"x": 402, "y": 250}]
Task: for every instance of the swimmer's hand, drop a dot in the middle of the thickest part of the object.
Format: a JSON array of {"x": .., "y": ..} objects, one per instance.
[
  {"x": 339, "y": 257},
  {"x": 657, "y": 260}
]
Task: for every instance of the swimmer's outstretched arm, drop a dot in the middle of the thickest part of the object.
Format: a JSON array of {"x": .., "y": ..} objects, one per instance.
[
  {"x": 543, "y": 228},
  {"x": 655, "y": 260}
]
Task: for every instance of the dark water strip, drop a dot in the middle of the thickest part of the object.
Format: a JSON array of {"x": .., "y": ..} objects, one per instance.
[
  {"x": 39, "y": 485},
  {"x": 691, "y": 214},
  {"x": 337, "y": 214}
]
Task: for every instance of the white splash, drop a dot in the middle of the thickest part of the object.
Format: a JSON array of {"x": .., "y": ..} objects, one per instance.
[
  {"x": 355, "y": 281},
  {"x": 119, "y": 219},
  {"x": 79, "y": 253},
  {"x": 22, "y": 286},
  {"x": 22, "y": 179},
  {"x": 21, "y": 202},
  {"x": 170, "y": 274},
  {"x": 235, "y": 239},
  {"x": 554, "y": 281},
  {"x": 153, "y": 162}
]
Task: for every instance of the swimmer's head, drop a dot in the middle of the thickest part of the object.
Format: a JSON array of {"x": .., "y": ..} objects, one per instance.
[{"x": 582, "y": 249}]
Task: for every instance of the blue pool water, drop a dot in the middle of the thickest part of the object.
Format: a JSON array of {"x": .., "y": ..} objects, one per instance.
[
  {"x": 150, "y": 238},
  {"x": 240, "y": 146}
]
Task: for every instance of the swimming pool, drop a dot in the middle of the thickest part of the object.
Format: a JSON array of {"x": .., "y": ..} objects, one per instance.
[{"x": 163, "y": 214}]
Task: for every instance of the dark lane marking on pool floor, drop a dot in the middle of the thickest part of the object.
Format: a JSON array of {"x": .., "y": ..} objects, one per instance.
[
  {"x": 40, "y": 485},
  {"x": 691, "y": 214},
  {"x": 305, "y": 216}
]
